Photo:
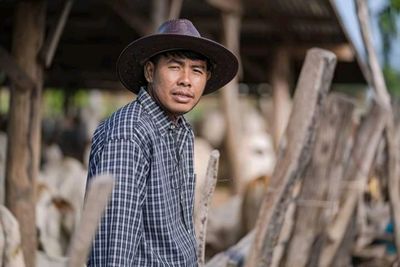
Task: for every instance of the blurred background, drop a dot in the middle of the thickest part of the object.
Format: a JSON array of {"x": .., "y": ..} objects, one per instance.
[{"x": 69, "y": 50}]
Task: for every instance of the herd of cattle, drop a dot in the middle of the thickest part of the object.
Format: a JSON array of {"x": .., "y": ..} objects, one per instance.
[{"x": 61, "y": 185}]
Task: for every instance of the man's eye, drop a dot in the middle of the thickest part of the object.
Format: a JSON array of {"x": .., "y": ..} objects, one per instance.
[
  {"x": 174, "y": 67},
  {"x": 198, "y": 70}
]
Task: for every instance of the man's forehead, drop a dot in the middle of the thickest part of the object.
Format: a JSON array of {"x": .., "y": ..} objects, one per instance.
[{"x": 179, "y": 57}]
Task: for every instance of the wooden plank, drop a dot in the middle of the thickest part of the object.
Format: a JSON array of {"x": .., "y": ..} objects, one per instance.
[
  {"x": 229, "y": 96},
  {"x": 227, "y": 6},
  {"x": 366, "y": 142},
  {"x": 378, "y": 81},
  {"x": 321, "y": 182},
  {"x": 158, "y": 13},
  {"x": 23, "y": 148},
  {"x": 280, "y": 82},
  {"x": 14, "y": 71},
  {"x": 205, "y": 203},
  {"x": 96, "y": 201},
  {"x": 175, "y": 9},
  {"x": 343, "y": 52},
  {"x": 383, "y": 98},
  {"x": 51, "y": 43},
  {"x": 313, "y": 85}
]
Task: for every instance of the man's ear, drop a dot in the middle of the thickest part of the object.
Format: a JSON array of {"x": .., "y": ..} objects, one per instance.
[
  {"x": 208, "y": 75},
  {"x": 148, "y": 71}
]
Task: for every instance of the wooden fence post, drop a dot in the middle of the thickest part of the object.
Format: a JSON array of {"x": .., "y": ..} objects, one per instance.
[
  {"x": 321, "y": 182},
  {"x": 98, "y": 195},
  {"x": 313, "y": 85},
  {"x": 23, "y": 149},
  {"x": 205, "y": 203},
  {"x": 230, "y": 101},
  {"x": 369, "y": 134},
  {"x": 280, "y": 78},
  {"x": 383, "y": 98}
]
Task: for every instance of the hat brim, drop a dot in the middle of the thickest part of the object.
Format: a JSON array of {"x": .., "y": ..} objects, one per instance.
[{"x": 131, "y": 59}]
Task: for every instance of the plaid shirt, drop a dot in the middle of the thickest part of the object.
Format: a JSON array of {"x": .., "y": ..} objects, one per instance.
[{"x": 149, "y": 218}]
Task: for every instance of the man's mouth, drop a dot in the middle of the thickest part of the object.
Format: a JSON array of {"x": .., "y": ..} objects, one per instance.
[{"x": 182, "y": 96}]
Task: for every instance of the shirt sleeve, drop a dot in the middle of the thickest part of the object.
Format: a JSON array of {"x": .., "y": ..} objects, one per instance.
[{"x": 120, "y": 229}]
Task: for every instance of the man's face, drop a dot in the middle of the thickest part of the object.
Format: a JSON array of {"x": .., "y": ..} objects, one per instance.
[{"x": 176, "y": 83}]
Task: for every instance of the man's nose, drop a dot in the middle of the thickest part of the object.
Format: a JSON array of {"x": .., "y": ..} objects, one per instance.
[{"x": 184, "y": 78}]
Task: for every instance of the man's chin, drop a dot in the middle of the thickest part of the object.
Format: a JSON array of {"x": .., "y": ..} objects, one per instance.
[{"x": 181, "y": 110}]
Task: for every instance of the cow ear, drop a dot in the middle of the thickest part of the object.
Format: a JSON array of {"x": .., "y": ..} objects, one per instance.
[{"x": 62, "y": 205}]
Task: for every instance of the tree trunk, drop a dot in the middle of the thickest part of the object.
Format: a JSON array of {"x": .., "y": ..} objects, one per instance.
[{"x": 23, "y": 152}]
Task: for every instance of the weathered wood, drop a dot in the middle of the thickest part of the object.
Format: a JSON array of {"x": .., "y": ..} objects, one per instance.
[
  {"x": 23, "y": 148},
  {"x": 344, "y": 52},
  {"x": 378, "y": 81},
  {"x": 313, "y": 85},
  {"x": 344, "y": 255},
  {"x": 323, "y": 175},
  {"x": 287, "y": 227},
  {"x": 227, "y": 6},
  {"x": 175, "y": 9},
  {"x": 356, "y": 175},
  {"x": 14, "y": 71},
  {"x": 96, "y": 200},
  {"x": 229, "y": 96},
  {"x": 280, "y": 79},
  {"x": 383, "y": 98},
  {"x": 205, "y": 202},
  {"x": 392, "y": 137},
  {"x": 51, "y": 43},
  {"x": 159, "y": 13}
]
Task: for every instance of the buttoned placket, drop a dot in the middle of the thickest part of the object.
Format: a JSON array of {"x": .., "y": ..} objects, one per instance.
[{"x": 174, "y": 131}]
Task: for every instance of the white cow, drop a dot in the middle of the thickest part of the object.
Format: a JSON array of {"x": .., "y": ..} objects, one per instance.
[
  {"x": 10, "y": 240},
  {"x": 256, "y": 158},
  {"x": 61, "y": 189}
]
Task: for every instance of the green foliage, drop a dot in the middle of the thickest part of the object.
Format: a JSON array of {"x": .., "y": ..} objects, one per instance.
[
  {"x": 387, "y": 21},
  {"x": 389, "y": 30},
  {"x": 81, "y": 98},
  {"x": 4, "y": 100},
  {"x": 395, "y": 4},
  {"x": 53, "y": 101},
  {"x": 392, "y": 78}
]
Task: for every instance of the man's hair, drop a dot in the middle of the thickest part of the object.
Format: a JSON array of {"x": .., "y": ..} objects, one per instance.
[{"x": 183, "y": 54}]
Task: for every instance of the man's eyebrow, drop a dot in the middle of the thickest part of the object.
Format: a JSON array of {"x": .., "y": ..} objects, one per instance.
[{"x": 176, "y": 60}]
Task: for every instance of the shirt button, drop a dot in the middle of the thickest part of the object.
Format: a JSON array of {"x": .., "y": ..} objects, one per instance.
[{"x": 172, "y": 127}]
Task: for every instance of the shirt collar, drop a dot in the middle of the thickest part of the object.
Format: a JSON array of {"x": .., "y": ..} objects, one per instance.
[{"x": 158, "y": 115}]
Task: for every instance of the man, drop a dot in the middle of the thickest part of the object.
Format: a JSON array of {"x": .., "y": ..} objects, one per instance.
[{"x": 148, "y": 148}]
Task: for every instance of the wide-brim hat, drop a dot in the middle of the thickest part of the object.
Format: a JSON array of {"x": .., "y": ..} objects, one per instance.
[{"x": 178, "y": 34}]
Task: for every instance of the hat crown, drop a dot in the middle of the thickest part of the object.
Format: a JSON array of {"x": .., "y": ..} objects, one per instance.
[{"x": 179, "y": 26}]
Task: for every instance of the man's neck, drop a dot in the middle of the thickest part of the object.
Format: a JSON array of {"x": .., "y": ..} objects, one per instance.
[{"x": 173, "y": 117}]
